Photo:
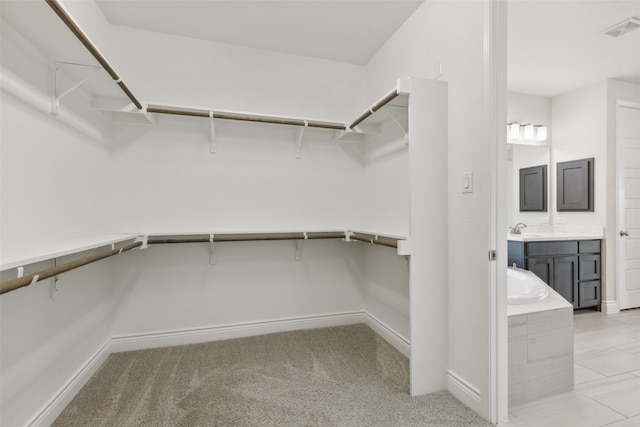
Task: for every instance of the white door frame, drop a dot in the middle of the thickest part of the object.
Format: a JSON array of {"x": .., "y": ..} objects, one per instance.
[
  {"x": 619, "y": 263},
  {"x": 495, "y": 205}
]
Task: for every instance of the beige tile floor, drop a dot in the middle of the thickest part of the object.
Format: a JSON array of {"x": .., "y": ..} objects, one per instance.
[{"x": 606, "y": 377}]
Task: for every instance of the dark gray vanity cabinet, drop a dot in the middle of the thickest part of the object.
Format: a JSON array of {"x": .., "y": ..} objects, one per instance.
[{"x": 570, "y": 267}]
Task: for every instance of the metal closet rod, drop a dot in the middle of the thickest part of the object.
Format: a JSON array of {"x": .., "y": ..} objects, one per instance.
[
  {"x": 246, "y": 118},
  {"x": 20, "y": 282},
  {"x": 247, "y": 237},
  {"x": 384, "y": 101},
  {"x": 80, "y": 35},
  {"x": 362, "y": 237},
  {"x": 374, "y": 239}
]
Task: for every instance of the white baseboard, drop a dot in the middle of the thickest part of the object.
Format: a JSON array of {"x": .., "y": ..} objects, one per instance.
[
  {"x": 54, "y": 407},
  {"x": 465, "y": 392},
  {"x": 399, "y": 342},
  {"x": 216, "y": 333},
  {"x": 610, "y": 307}
]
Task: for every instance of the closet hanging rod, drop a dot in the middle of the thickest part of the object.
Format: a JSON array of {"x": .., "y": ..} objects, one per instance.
[
  {"x": 93, "y": 50},
  {"x": 20, "y": 282},
  {"x": 373, "y": 239},
  {"x": 246, "y": 118},
  {"x": 384, "y": 101},
  {"x": 247, "y": 237}
]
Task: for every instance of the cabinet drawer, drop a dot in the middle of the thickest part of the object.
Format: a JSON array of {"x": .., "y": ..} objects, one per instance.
[
  {"x": 589, "y": 267},
  {"x": 589, "y": 246},
  {"x": 589, "y": 293},
  {"x": 552, "y": 248}
]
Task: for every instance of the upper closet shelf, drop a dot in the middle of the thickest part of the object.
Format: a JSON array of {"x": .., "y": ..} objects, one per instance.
[
  {"x": 394, "y": 241},
  {"x": 123, "y": 111},
  {"x": 63, "y": 248},
  {"x": 391, "y": 108},
  {"x": 247, "y": 117}
]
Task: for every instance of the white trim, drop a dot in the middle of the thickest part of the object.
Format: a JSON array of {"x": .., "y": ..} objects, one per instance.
[
  {"x": 610, "y": 307},
  {"x": 396, "y": 340},
  {"x": 468, "y": 394},
  {"x": 238, "y": 330},
  {"x": 54, "y": 407},
  {"x": 493, "y": 404}
]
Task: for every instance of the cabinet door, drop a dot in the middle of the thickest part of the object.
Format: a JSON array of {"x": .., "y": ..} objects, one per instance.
[
  {"x": 589, "y": 267},
  {"x": 589, "y": 293},
  {"x": 542, "y": 267},
  {"x": 565, "y": 277}
]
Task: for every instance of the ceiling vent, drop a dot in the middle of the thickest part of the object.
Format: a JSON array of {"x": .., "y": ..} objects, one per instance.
[{"x": 623, "y": 28}]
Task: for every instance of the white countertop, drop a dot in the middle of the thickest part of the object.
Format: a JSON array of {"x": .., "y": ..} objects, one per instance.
[
  {"x": 556, "y": 233},
  {"x": 545, "y": 237}
]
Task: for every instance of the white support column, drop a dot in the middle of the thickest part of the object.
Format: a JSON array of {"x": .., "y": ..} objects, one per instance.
[{"x": 428, "y": 276}]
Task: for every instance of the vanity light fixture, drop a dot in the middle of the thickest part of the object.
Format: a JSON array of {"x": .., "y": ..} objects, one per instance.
[
  {"x": 541, "y": 135},
  {"x": 514, "y": 130},
  {"x": 528, "y": 131}
]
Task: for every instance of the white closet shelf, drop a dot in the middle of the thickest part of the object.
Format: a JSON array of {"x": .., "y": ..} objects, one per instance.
[
  {"x": 391, "y": 108},
  {"x": 63, "y": 248},
  {"x": 242, "y": 116},
  {"x": 126, "y": 242},
  {"x": 122, "y": 110},
  {"x": 394, "y": 241}
]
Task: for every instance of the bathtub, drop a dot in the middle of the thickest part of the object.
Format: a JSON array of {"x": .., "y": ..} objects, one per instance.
[
  {"x": 540, "y": 339},
  {"x": 524, "y": 287}
]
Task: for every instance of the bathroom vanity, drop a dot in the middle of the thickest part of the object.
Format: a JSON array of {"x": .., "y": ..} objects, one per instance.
[{"x": 569, "y": 264}]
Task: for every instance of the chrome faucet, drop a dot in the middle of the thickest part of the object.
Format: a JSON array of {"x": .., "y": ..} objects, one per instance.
[{"x": 517, "y": 229}]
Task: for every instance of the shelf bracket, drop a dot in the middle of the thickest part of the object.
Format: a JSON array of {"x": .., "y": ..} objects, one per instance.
[
  {"x": 212, "y": 250},
  {"x": 144, "y": 239},
  {"x": 299, "y": 246},
  {"x": 347, "y": 236},
  {"x": 57, "y": 96},
  {"x": 404, "y": 131},
  {"x": 300, "y": 134},
  {"x": 20, "y": 272},
  {"x": 212, "y": 133},
  {"x": 53, "y": 289}
]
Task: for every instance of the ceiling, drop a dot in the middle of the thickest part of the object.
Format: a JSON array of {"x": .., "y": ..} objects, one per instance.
[
  {"x": 557, "y": 46},
  {"x": 554, "y": 46},
  {"x": 339, "y": 30}
]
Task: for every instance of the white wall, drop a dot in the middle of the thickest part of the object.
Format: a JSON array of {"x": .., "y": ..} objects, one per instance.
[
  {"x": 580, "y": 131},
  {"x": 53, "y": 186},
  {"x": 522, "y": 108},
  {"x": 174, "y": 288},
  {"x": 426, "y": 38},
  {"x": 167, "y": 181},
  {"x": 163, "y": 68}
]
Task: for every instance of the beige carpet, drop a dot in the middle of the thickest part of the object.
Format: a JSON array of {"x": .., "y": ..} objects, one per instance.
[{"x": 342, "y": 376}]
